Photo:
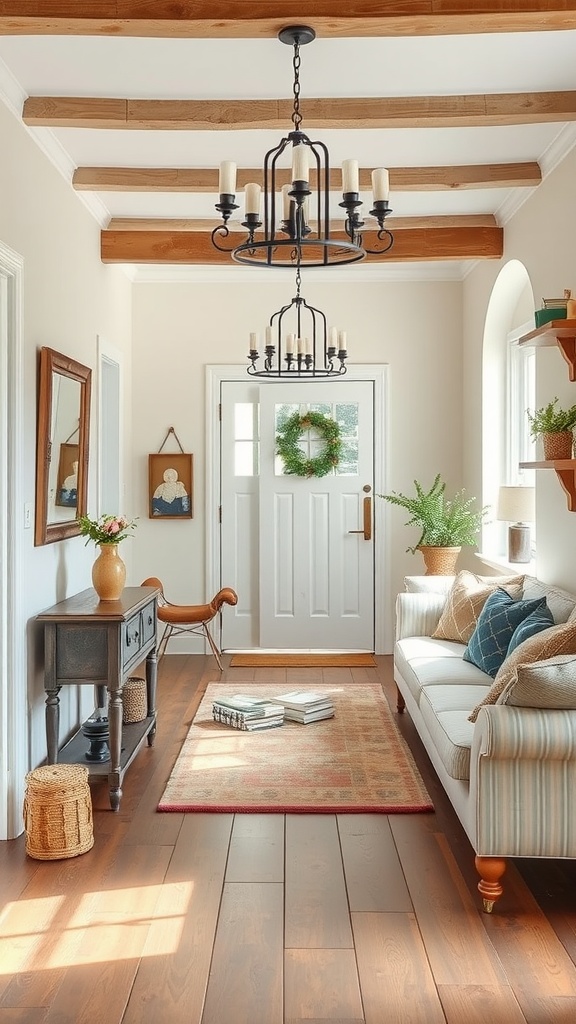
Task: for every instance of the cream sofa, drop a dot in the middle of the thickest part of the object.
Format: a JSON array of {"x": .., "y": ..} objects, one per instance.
[{"x": 511, "y": 775}]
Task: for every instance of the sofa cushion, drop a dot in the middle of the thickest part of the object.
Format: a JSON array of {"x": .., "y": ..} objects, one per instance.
[
  {"x": 465, "y": 601},
  {"x": 541, "y": 618},
  {"x": 428, "y": 584},
  {"x": 496, "y": 624},
  {"x": 546, "y": 684},
  {"x": 560, "y": 602},
  {"x": 422, "y": 661},
  {"x": 559, "y": 639},
  {"x": 450, "y": 728}
]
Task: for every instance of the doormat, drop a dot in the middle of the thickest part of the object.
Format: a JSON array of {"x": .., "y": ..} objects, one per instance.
[
  {"x": 280, "y": 660},
  {"x": 356, "y": 762}
]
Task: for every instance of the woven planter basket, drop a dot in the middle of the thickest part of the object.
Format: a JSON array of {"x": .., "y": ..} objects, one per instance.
[
  {"x": 439, "y": 561},
  {"x": 134, "y": 700},
  {"x": 58, "y": 812},
  {"x": 558, "y": 446}
]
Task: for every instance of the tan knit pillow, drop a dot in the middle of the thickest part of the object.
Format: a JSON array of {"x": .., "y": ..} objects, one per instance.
[
  {"x": 547, "y": 644},
  {"x": 466, "y": 600}
]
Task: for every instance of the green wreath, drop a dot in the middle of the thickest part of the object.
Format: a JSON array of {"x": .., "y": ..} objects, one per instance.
[{"x": 295, "y": 462}]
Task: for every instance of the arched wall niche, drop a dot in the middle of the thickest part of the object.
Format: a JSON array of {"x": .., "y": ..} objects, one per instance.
[{"x": 511, "y": 306}]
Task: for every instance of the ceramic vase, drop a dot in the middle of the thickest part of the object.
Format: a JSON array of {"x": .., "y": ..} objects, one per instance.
[{"x": 108, "y": 573}]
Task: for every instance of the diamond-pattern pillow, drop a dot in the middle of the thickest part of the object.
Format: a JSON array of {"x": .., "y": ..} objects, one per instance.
[
  {"x": 547, "y": 644},
  {"x": 497, "y": 622},
  {"x": 465, "y": 601}
]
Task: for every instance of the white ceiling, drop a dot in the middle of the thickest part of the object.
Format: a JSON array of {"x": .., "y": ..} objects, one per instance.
[{"x": 164, "y": 68}]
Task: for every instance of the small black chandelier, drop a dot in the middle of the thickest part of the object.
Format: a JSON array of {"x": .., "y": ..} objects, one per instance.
[
  {"x": 290, "y": 240},
  {"x": 308, "y": 349}
]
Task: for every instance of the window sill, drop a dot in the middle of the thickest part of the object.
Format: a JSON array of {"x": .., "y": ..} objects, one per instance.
[{"x": 500, "y": 562}]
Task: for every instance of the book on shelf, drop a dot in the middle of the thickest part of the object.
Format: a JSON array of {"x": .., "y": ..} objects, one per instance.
[
  {"x": 304, "y": 700},
  {"x": 304, "y": 717}
]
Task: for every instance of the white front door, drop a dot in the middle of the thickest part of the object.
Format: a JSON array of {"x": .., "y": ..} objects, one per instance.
[{"x": 295, "y": 548}]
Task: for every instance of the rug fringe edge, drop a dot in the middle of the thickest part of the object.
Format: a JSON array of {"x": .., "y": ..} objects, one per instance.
[{"x": 263, "y": 809}]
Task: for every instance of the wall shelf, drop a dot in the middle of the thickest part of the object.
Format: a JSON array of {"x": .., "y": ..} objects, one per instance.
[
  {"x": 566, "y": 473},
  {"x": 561, "y": 333}
]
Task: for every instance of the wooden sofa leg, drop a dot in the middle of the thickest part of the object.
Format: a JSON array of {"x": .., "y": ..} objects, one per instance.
[
  {"x": 490, "y": 870},
  {"x": 400, "y": 702}
]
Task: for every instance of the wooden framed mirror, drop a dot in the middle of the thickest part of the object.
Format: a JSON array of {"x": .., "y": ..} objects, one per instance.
[{"x": 62, "y": 446}]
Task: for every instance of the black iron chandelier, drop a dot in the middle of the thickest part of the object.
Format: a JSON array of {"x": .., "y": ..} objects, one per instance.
[
  {"x": 301, "y": 236},
  {"x": 307, "y": 349}
]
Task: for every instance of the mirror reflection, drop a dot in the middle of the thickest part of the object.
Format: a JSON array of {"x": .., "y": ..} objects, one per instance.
[{"x": 62, "y": 446}]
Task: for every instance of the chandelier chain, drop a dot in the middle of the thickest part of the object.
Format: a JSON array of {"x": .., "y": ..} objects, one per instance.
[{"x": 296, "y": 115}]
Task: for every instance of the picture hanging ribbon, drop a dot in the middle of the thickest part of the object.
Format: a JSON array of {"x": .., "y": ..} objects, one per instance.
[{"x": 296, "y": 463}]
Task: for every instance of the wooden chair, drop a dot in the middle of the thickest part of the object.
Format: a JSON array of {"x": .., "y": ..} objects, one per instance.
[{"x": 182, "y": 619}]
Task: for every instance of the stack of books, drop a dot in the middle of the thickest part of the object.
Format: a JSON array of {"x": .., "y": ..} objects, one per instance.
[
  {"x": 249, "y": 713},
  {"x": 306, "y": 706}
]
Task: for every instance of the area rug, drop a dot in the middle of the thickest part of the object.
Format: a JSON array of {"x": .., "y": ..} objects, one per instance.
[
  {"x": 356, "y": 762},
  {"x": 257, "y": 660}
]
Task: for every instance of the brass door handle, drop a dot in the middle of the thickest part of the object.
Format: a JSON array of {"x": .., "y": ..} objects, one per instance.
[{"x": 367, "y": 511}]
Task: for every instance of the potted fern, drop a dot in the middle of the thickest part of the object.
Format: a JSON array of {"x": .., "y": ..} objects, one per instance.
[
  {"x": 446, "y": 524},
  {"x": 556, "y": 427}
]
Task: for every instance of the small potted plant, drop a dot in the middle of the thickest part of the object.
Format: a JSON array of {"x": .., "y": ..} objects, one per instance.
[
  {"x": 556, "y": 427},
  {"x": 446, "y": 524}
]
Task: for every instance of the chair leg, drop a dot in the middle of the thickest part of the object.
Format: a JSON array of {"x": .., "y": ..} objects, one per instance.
[
  {"x": 215, "y": 650},
  {"x": 164, "y": 641}
]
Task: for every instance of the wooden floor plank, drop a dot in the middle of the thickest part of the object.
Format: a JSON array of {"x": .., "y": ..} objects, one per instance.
[
  {"x": 246, "y": 977},
  {"x": 256, "y": 849},
  {"x": 316, "y": 902},
  {"x": 372, "y": 870},
  {"x": 173, "y": 975},
  {"x": 395, "y": 977},
  {"x": 322, "y": 983},
  {"x": 456, "y": 942},
  {"x": 476, "y": 1004}
]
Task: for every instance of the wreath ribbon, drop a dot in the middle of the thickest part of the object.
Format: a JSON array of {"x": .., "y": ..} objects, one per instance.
[{"x": 295, "y": 461}]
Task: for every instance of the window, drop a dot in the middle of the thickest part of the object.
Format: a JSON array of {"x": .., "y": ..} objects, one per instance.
[{"x": 521, "y": 395}]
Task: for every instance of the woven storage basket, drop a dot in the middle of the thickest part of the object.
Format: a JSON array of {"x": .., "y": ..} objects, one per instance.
[
  {"x": 134, "y": 700},
  {"x": 558, "y": 446},
  {"x": 58, "y": 812}
]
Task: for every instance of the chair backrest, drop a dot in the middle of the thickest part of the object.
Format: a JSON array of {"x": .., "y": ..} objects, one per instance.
[{"x": 153, "y": 581}]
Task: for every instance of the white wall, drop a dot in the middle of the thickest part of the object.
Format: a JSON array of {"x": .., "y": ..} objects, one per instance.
[
  {"x": 179, "y": 328},
  {"x": 69, "y": 299},
  {"x": 543, "y": 236}
]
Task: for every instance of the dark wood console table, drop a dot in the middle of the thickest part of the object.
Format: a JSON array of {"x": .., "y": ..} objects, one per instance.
[{"x": 100, "y": 642}]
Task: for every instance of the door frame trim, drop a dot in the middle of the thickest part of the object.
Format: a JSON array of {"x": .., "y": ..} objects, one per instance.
[{"x": 378, "y": 373}]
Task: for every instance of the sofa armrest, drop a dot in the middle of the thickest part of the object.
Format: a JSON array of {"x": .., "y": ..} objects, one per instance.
[
  {"x": 418, "y": 614},
  {"x": 513, "y": 734},
  {"x": 522, "y": 782}
]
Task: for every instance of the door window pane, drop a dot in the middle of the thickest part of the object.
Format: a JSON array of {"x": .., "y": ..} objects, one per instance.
[{"x": 246, "y": 439}]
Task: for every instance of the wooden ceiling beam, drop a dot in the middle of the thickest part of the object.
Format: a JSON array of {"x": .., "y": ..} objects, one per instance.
[
  {"x": 479, "y": 110},
  {"x": 402, "y": 179},
  {"x": 203, "y": 224},
  {"x": 195, "y": 248},
  {"x": 261, "y": 19}
]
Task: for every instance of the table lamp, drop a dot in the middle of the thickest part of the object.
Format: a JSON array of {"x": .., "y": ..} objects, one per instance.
[{"x": 516, "y": 506}]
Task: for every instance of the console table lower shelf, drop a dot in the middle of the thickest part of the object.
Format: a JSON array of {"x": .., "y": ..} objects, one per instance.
[{"x": 133, "y": 736}]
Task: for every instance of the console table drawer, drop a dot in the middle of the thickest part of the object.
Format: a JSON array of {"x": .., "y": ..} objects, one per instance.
[
  {"x": 148, "y": 622},
  {"x": 131, "y": 638}
]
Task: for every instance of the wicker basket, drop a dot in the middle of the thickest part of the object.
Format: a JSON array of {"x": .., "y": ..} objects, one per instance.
[
  {"x": 58, "y": 812},
  {"x": 439, "y": 561},
  {"x": 558, "y": 446},
  {"x": 134, "y": 700}
]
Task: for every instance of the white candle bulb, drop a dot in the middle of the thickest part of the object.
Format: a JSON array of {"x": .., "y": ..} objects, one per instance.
[
  {"x": 333, "y": 337},
  {"x": 342, "y": 341},
  {"x": 290, "y": 339},
  {"x": 380, "y": 183},
  {"x": 308, "y": 346},
  {"x": 286, "y": 189},
  {"x": 269, "y": 336},
  {"x": 350, "y": 180},
  {"x": 300, "y": 163},
  {"x": 300, "y": 345},
  {"x": 253, "y": 342},
  {"x": 252, "y": 198},
  {"x": 227, "y": 179}
]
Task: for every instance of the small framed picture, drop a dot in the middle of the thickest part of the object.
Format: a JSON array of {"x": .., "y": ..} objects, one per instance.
[
  {"x": 67, "y": 480},
  {"x": 170, "y": 484}
]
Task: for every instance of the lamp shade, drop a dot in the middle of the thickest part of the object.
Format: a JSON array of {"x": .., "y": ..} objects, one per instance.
[{"x": 516, "y": 504}]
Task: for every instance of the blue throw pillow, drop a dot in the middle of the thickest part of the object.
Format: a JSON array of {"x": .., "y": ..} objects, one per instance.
[
  {"x": 539, "y": 619},
  {"x": 497, "y": 622}
]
